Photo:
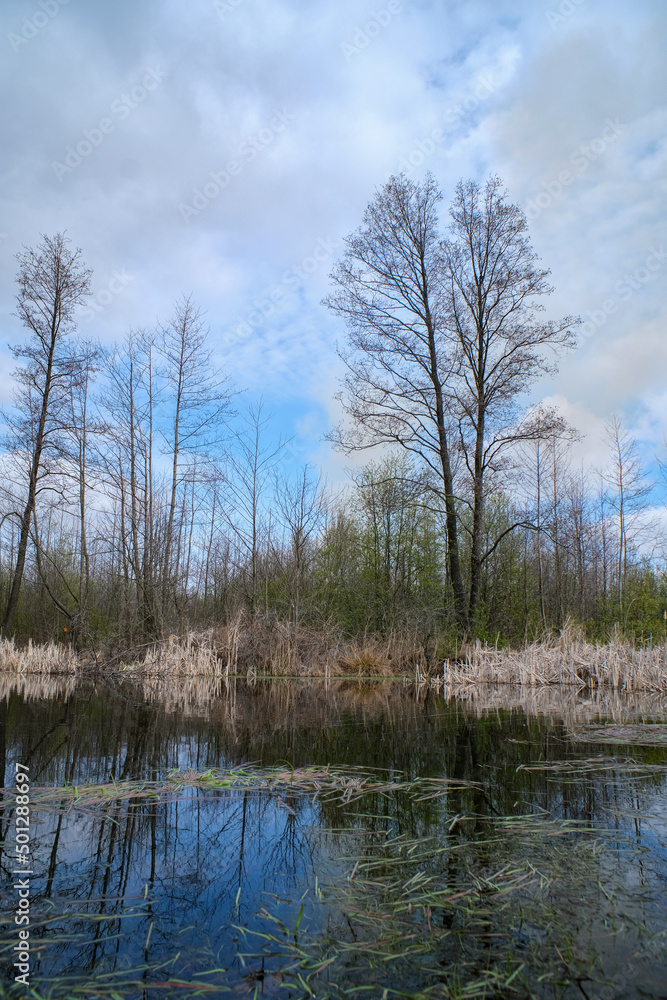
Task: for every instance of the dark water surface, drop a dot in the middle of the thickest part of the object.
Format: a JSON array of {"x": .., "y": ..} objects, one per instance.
[{"x": 538, "y": 868}]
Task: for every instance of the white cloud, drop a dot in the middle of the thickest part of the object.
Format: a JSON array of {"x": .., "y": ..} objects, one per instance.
[{"x": 510, "y": 92}]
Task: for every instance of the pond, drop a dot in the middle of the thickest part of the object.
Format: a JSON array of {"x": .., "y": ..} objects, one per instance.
[{"x": 282, "y": 838}]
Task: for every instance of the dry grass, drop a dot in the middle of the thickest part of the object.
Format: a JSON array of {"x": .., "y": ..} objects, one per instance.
[
  {"x": 273, "y": 648},
  {"x": 37, "y": 659},
  {"x": 192, "y": 654},
  {"x": 364, "y": 662},
  {"x": 286, "y": 649},
  {"x": 370, "y": 659},
  {"x": 373, "y": 657},
  {"x": 277, "y": 648},
  {"x": 564, "y": 660}
]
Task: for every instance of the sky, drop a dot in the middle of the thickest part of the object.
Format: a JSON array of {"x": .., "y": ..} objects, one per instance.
[{"x": 224, "y": 149}]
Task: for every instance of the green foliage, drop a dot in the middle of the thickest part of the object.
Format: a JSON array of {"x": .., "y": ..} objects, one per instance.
[{"x": 376, "y": 567}]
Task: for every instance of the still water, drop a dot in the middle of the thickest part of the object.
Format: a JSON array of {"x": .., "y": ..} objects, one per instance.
[{"x": 312, "y": 839}]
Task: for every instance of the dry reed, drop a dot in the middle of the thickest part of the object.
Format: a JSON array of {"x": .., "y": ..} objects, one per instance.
[
  {"x": 269, "y": 647},
  {"x": 36, "y": 658},
  {"x": 265, "y": 647},
  {"x": 567, "y": 659}
]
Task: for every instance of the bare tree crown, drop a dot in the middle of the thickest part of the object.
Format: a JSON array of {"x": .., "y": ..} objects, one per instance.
[{"x": 444, "y": 334}]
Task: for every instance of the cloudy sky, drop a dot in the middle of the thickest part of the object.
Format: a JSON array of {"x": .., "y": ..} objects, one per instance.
[{"x": 225, "y": 147}]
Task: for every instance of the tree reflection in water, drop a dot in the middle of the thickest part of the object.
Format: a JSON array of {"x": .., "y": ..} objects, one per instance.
[{"x": 146, "y": 882}]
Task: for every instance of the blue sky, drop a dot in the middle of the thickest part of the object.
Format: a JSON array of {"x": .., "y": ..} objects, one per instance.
[{"x": 224, "y": 148}]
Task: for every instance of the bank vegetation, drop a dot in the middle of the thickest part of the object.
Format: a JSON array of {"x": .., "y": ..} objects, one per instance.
[{"x": 149, "y": 516}]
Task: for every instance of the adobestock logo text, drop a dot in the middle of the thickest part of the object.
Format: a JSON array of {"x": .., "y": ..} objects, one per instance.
[
  {"x": 122, "y": 107},
  {"x": 32, "y": 24},
  {"x": 625, "y": 288},
  {"x": 581, "y": 159}
]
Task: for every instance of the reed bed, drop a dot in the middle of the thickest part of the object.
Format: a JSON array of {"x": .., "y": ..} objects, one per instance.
[
  {"x": 194, "y": 654},
  {"x": 245, "y": 646},
  {"x": 271, "y": 647},
  {"x": 36, "y": 658},
  {"x": 261, "y": 647},
  {"x": 567, "y": 659}
]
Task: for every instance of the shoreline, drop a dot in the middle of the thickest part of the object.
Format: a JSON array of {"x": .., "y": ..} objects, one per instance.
[{"x": 566, "y": 660}]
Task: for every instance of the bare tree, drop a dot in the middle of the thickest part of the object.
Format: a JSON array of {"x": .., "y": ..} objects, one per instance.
[
  {"x": 443, "y": 334},
  {"x": 77, "y": 465},
  {"x": 499, "y": 345},
  {"x": 400, "y": 360},
  {"x": 629, "y": 489},
  {"x": 52, "y": 282},
  {"x": 130, "y": 403},
  {"x": 544, "y": 436},
  {"x": 251, "y": 463},
  {"x": 303, "y": 506},
  {"x": 199, "y": 397}
]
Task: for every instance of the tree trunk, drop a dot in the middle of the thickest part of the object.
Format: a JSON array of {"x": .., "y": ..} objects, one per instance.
[{"x": 12, "y": 604}]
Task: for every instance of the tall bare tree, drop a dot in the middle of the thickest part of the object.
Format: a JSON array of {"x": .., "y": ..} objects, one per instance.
[
  {"x": 400, "y": 363},
  {"x": 629, "y": 490},
  {"x": 303, "y": 505},
  {"x": 443, "y": 337},
  {"x": 78, "y": 469},
  {"x": 198, "y": 395},
  {"x": 499, "y": 344},
  {"x": 52, "y": 282},
  {"x": 251, "y": 464},
  {"x": 129, "y": 404}
]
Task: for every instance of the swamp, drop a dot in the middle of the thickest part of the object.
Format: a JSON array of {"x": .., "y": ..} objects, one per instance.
[
  {"x": 333, "y": 501},
  {"x": 332, "y": 837}
]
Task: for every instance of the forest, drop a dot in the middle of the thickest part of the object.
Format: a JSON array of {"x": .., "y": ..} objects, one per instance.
[{"x": 141, "y": 496}]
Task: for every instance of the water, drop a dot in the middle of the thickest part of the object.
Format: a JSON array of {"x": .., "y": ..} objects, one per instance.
[{"x": 537, "y": 868}]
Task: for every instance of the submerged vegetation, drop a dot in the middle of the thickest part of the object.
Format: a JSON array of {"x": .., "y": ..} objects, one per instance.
[
  {"x": 389, "y": 824},
  {"x": 329, "y": 837},
  {"x": 476, "y": 904}
]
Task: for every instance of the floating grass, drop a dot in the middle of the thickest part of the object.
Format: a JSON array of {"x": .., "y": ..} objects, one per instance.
[
  {"x": 637, "y": 734},
  {"x": 485, "y": 906},
  {"x": 583, "y": 767},
  {"x": 424, "y": 919},
  {"x": 332, "y": 784}
]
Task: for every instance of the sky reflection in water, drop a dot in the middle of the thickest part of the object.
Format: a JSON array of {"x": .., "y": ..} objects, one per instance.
[{"x": 170, "y": 880}]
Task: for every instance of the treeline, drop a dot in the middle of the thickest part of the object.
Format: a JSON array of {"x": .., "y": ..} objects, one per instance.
[
  {"x": 137, "y": 502},
  {"x": 122, "y": 551}
]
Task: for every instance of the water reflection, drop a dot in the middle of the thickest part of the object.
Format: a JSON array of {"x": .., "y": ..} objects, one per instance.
[{"x": 156, "y": 888}]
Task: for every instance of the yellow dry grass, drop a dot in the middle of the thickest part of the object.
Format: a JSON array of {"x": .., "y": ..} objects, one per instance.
[
  {"x": 567, "y": 659},
  {"x": 364, "y": 662},
  {"x": 258, "y": 647},
  {"x": 36, "y": 658}
]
